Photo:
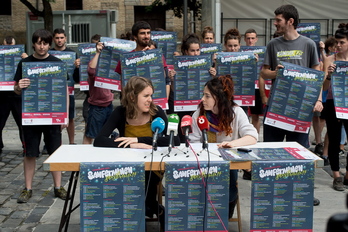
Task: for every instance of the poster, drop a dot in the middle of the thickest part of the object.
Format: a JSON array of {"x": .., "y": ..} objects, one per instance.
[
  {"x": 106, "y": 77},
  {"x": 112, "y": 196},
  {"x": 210, "y": 48},
  {"x": 295, "y": 91},
  {"x": 148, "y": 64},
  {"x": 282, "y": 196},
  {"x": 312, "y": 31},
  {"x": 339, "y": 83},
  {"x": 242, "y": 67},
  {"x": 188, "y": 207},
  {"x": 69, "y": 58},
  {"x": 44, "y": 102},
  {"x": 166, "y": 41},
  {"x": 286, "y": 153},
  {"x": 192, "y": 72},
  {"x": 260, "y": 51},
  {"x": 86, "y": 53},
  {"x": 10, "y": 55}
]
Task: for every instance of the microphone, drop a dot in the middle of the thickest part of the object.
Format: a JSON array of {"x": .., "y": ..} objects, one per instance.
[
  {"x": 186, "y": 127},
  {"x": 203, "y": 125},
  {"x": 157, "y": 126},
  {"x": 173, "y": 122}
]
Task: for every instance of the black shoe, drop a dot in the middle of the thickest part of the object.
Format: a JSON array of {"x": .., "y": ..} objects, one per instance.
[
  {"x": 319, "y": 148},
  {"x": 316, "y": 201},
  {"x": 231, "y": 207},
  {"x": 326, "y": 160},
  {"x": 246, "y": 175}
]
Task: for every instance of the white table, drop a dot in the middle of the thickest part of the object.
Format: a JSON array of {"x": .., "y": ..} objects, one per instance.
[{"x": 69, "y": 157}]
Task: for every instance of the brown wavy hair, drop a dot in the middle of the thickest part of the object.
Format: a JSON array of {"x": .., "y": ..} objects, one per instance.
[
  {"x": 206, "y": 30},
  {"x": 232, "y": 34},
  {"x": 222, "y": 90},
  {"x": 130, "y": 94}
]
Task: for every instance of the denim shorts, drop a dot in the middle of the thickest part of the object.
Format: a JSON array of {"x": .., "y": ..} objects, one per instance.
[{"x": 97, "y": 117}]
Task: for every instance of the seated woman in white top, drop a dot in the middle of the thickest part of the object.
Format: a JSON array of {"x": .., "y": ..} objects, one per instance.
[{"x": 228, "y": 123}]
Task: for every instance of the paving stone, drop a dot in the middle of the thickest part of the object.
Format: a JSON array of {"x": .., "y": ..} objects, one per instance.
[
  {"x": 25, "y": 227},
  {"x": 5, "y": 211},
  {"x": 11, "y": 223},
  {"x": 2, "y": 218},
  {"x": 4, "y": 198},
  {"x": 19, "y": 214}
]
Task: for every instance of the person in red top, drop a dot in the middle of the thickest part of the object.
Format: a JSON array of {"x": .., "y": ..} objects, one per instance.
[
  {"x": 141, "y": 34},
  {"x": 100, "y": 101}
]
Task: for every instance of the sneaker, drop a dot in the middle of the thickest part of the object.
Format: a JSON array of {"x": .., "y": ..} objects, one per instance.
[
  {"x": 341, "y": 153},
  {"x": 61, "y": 193},
  {"x": 24, "y": 196},
  {"x": 316, "y": 202},
  {"x": 338, "y": 184},
  {"x": 319, "y": 148}
]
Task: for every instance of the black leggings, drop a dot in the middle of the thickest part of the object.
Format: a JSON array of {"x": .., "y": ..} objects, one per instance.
[{"x": 334, "y": 127}]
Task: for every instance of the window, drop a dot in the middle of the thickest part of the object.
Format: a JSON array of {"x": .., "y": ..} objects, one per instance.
[
  {"x": 73, "y": 4},
  {"x": 155, "y": 19},
  {"x": 80, "y": 33},
  {"x": 5, "y": 8}
]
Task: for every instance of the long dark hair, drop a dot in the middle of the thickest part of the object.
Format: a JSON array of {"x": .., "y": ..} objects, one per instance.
[
  {"x": 188, "y": 40},
  {"x": 222, "y": 90}
]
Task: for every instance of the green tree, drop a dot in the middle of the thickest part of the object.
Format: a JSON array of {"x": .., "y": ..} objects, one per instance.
[
  {"x": 177, "y": 6},
  {"x": 46, "y": 13}
]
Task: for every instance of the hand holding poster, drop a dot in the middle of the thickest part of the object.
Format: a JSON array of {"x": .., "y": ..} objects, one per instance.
[
  {"x": 44, "y": 102},
  {"x": 242, "y": 67},
  {"x": 295, "y": 92},
  {"x": 10, "y": 55},
  {"x": 166, "y": 41},
  {"x": 106, "y": 77},
  {"x": 86, "y": 53},
  {"x": 192, "y": 72},
  {"x": 148, "y": 64},
  {"x": 69, "y": 58},
  {"x": 339, "y": 83}
]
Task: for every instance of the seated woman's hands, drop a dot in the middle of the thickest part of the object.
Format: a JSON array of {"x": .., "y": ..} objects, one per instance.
[
  {"x": 132, "y": 142},
  {"x": 125, "y": 141}
]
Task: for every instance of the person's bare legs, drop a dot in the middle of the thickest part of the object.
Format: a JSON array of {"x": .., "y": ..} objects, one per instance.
[
  {"x": 57, "y": 178},
  {"x": 71, "y": 131},
  {"x": 87, "y": 140},
  {"x": 29, "y": 171}
]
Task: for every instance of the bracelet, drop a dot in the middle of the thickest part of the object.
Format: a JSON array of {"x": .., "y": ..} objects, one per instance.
[{"x": 319, "y": 101}]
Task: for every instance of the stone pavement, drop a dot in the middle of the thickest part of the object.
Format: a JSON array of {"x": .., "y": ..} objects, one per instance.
[{"x": 42, "y": 212}]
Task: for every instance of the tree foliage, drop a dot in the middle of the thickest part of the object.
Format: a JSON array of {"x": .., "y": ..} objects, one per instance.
[
  {"x": 177, "y": 6},
  {"x": 46, "y": 13}
]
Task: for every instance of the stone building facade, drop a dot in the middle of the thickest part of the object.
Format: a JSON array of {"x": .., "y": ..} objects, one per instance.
[{"x": 15, "y": 23}]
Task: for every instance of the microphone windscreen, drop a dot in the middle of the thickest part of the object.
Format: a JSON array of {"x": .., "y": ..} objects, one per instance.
[
  {"x": 173, "y": 122},
  {"x": 186, "y": 122},
  {"x": 158, "y": 124},
  {"x": 203, "y": 123}
]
